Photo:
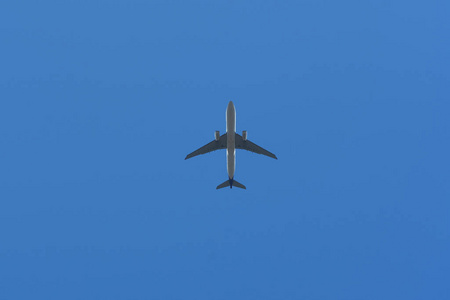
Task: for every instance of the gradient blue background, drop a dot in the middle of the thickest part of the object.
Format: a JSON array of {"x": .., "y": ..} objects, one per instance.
[{"x": 100, "y": 101}]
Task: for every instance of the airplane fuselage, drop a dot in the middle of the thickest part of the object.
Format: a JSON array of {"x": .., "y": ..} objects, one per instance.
[{"x": 231, "y": 130}]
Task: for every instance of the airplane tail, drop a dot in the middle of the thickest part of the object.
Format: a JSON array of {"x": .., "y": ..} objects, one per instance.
[{"x": 231, "y": 183}]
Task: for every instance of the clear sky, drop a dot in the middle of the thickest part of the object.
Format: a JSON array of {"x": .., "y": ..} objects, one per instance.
[{"x": 100, "y": 101}]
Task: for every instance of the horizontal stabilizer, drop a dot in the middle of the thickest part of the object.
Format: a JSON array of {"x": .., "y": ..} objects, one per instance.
[
  {"x": 239, "y": 185},
  {"x": 231, "y": 183}
]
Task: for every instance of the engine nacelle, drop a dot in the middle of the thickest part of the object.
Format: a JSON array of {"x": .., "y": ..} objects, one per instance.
[
  {"x": 244, "y": 135},
  {"x": 217, "y": 135}
]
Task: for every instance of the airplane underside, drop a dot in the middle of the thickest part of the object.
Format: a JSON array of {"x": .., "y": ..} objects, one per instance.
[{"x": 231, "y": 141}]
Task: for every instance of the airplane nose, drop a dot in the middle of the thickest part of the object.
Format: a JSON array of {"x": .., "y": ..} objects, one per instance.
[{"x": 230, "y": 104}]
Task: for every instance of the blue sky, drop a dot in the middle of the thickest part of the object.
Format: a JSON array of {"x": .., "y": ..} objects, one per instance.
[{"x": 100, "y": 101}]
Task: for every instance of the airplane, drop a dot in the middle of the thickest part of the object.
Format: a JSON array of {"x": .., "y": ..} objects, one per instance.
[{"x": 231, "y": 141}]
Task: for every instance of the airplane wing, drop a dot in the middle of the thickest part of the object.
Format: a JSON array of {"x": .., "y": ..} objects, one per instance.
[
  {"x": 247, "y": 145},
  {"x": 212, "y": 146}
]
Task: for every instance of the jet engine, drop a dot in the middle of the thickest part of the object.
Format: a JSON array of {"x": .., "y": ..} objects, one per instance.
[
  {"x": 244, "y": 135},
  {"x": 217, "y": 135}
]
